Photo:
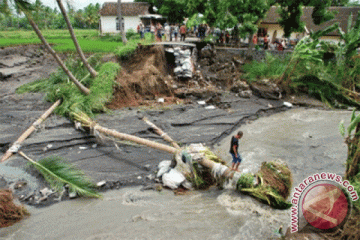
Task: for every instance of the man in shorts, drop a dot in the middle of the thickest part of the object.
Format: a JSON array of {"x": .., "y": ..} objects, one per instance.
[{"x": 234, "y": 145}]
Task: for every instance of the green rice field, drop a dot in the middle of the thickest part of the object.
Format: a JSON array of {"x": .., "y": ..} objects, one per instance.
[{"x": 89, "y": 40}]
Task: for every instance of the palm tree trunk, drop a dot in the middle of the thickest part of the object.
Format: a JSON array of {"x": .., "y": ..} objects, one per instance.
[
  {"x": 135, "y": 139},
  {"x": 121, "y": 22},
  {"x": 57, "y": 58},
  {"x": 77, "y": 46},
  {"x": 31, "y": 129},
  {"x": 161, "y": 133}
]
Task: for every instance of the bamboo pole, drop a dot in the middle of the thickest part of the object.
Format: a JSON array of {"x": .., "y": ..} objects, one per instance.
[
  {"x": 161, "y": 133},
  {"x": 30, "y": 130}
]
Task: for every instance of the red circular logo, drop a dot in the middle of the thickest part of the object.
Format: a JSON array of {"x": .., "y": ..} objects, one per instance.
[{"x": 325, "y": 206}]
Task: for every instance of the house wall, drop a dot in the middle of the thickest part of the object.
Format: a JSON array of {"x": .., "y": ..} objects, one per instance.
[
  {"x": 280, "y": 32},
  {"x": 108, "y": 23},
  {"x": 333, "y": 39},
  {"x": 272, "y": 28}
]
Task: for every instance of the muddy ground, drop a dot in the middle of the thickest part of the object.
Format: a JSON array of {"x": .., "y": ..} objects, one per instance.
[{"x": 119, "y": 164}]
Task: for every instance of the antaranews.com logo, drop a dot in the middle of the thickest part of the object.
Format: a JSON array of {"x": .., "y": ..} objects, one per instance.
[{"x": 322, "y": 201}]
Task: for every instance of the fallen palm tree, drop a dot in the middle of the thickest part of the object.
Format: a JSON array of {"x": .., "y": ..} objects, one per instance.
[
  {"x": 59, "y": 173},
  {"x": 160, "y": 132},
  {"x": 9, "y": 212},
  {"x": 203, "y": 168}
]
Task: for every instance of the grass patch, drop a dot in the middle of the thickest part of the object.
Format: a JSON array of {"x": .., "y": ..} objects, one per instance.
[
  {"x": 124, "y": 52},
  {"x": 270, "y": 68}
]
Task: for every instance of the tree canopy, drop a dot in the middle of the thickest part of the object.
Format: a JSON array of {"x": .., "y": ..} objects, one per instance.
[{"x": 245, "y": 13}]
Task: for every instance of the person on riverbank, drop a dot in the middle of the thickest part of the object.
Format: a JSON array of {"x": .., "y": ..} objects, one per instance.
[
  {"x": 255, "y": 40},
  {"x": 176, "y": 32},
  {"x": 266, "y": 42},
  {"x": 158, "y": 33},
  {"x": 234, "y": 145},
  {"x": 141, "y": 30},
  {"x": 167, "y": 30},
  {"x": 183, "y": 33}
]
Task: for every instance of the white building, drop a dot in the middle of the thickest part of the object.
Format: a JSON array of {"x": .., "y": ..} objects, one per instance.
[{"x": 130, "y": 11}]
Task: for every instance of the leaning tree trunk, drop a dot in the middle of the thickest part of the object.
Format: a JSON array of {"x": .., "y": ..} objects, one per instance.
[
  {"x": 30, "y": 130},
  {"x": 77, "y": 46},
  {"x": 121, "y": 22},
  {"x": 57, "y": 58}
]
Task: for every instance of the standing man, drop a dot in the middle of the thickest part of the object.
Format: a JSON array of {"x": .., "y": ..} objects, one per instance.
[
  {"x": 183, "y": 32},
  {"x": 234, "y": 145},
  {"x": 141, "y": 30},
  {"x": 167, "y": 30},
  {"x": 176, "y": 32}
]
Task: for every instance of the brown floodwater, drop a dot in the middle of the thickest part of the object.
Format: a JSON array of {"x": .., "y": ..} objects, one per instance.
[{"x": 307, "y": 139}]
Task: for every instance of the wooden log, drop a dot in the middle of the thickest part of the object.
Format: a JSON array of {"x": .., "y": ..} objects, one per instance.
[
  {"x": 161, "y": 133},
  {"x": 30, "y": 130}
]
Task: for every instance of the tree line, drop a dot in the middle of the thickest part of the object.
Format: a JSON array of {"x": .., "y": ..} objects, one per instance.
[
  {"x": 50, "y": 18},
  {"x": 244, "y": 13}
]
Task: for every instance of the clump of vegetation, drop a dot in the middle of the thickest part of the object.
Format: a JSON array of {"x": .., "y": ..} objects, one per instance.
[
  {"x": 351, "y": 230},
  {"x": 269, "y": 68},
  {"x": 124, "y": 52},
  {"x": 58, "y": 86},
  {"x": 273, "y": 187},
  {"x": 202, "y": 177},
  {"x": 329, "y": 72},
  {"x": 9, "y": 212},
  {"x": 245, "y": 181}
]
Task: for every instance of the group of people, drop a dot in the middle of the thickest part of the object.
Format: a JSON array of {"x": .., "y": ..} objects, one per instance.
[
  {"x": 166, "y": 32},
  {"x": 278, "y": 44}
]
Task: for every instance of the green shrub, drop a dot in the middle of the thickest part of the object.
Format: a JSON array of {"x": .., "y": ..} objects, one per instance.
[
  {"x": 132, "y": 34},
  {"x": 271, "y": 68}
]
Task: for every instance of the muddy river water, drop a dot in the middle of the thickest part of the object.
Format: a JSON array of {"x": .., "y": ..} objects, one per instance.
[{"x": 307, "y": 139}]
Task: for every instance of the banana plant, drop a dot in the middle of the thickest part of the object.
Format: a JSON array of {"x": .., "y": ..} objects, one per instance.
[
  {"x": 353, "y": 142},
  {"x": 351, "y": 39}
]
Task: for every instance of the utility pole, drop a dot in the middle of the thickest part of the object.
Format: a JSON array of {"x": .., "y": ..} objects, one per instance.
[{"x": 121, "y": 22}]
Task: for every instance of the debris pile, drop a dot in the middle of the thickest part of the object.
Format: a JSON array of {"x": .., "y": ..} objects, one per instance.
[
  {"x": 184, "y": 66},
  {"x": 9, "y": 212},
  {"x": 188, "y": 171}
]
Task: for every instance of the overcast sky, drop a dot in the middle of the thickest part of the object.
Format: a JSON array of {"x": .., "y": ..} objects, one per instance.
[{"x": 78, "y": 4}]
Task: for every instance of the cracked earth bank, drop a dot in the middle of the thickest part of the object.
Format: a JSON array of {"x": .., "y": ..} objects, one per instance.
[{"x": 126, "y": 165}]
